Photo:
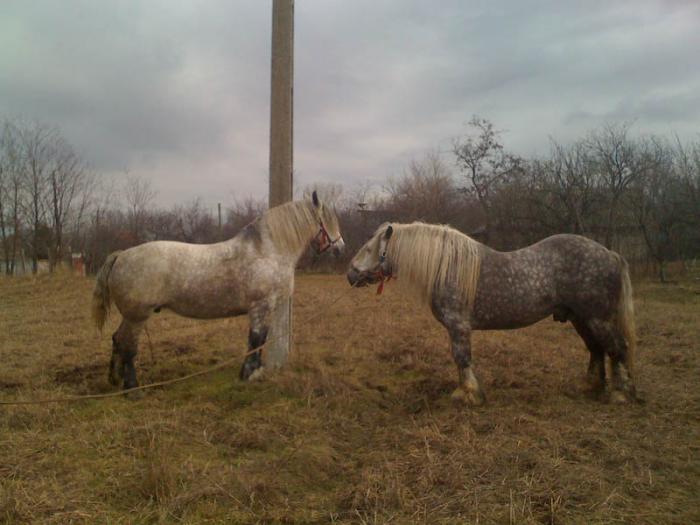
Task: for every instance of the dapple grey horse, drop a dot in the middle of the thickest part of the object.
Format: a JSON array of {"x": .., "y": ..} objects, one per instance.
[
  {"x": 250, "y": 273},
  {"x": 469, "y": 286}
]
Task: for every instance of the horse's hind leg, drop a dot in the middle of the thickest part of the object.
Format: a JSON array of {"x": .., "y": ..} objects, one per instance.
[
  {"x": 468, "y": 389},
  {"x": 124, "y": 349},
  {"x": 596, "y": 365},
  {"x": 257, "y": 335},
  {"x": 608, "y": 337},
  {"x": 623, "y": 388}
]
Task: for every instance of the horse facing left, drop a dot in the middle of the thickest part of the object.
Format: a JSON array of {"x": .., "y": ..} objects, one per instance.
[
  {"x": 251, "y": 273},
  {"x": 468, "y": 286}
]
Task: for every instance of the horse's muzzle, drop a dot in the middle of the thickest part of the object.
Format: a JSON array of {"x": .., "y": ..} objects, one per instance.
[
  {"x": 338, "y": 247},
  {"x": 352, "y": 276},
  {"x": 357, "y": 278}
]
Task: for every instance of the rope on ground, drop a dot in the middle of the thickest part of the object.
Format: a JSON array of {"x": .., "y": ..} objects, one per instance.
[{"x": 219, "y": 366}]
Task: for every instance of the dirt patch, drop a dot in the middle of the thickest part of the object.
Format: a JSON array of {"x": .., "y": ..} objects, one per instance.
[{"x": 10, "y": 385}]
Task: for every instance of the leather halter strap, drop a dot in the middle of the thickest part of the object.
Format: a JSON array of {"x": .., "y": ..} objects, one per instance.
[
  {"x": 324, "y": 239},
  {"x": 380, "y": 275}
]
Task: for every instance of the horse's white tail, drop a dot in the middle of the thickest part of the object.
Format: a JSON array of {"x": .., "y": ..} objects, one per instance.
[
  {"x": 625, "y": 314},
  {"x": 101, "y": 300}
]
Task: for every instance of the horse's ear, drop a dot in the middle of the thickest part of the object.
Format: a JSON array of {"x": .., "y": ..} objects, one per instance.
[
  {"x": 389, "y": 231},
  {"x": 314, "y": 198}
]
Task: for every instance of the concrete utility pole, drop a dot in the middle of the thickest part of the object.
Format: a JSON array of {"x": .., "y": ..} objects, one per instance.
[{"x": 281, "y": 154}]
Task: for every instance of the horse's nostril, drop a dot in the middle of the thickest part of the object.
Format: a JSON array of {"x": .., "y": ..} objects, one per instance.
[{"x": 352, "y": 276}]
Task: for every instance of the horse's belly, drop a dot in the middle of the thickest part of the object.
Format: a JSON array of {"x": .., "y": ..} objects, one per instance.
[
  {"x": 513, "y": 299},
  {"x": 208, "y": 306},
  {"x": 207, "y": 303},
  {"x": 506, "y": 319},
  {"x": 206, "y": 311},
  {"x": 506, "y": 324}
]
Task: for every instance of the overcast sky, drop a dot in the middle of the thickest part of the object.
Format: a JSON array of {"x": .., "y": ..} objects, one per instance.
[{"x": 177, "y": 92}]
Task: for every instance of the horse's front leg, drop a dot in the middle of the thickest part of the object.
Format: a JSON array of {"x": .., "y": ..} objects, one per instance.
[
  {"x": 257, "y": 335},
  {"x": 468, "y": 389}
]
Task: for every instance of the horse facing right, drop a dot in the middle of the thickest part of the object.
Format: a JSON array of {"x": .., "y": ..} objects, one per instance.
[
  {"x": 251, "y": 273},
  {"x": 469, "y": 286}
]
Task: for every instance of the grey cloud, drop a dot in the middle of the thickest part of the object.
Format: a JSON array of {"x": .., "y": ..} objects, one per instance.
[{"x": 178, "y": 92}]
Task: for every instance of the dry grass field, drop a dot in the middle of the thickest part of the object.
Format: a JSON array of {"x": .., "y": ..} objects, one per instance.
[{"x": 359, "y": 428}]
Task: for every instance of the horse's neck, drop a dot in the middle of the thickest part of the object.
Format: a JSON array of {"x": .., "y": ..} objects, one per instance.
[
  {"x": 242, "y": 247},
  {"x": 291, "y": 258},
  {"x": 276, "y": 234},
  {"x": 290, "y": 254}
]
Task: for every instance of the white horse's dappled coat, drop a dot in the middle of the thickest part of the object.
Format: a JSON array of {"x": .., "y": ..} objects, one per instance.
[{"x": 250, "y": 273}]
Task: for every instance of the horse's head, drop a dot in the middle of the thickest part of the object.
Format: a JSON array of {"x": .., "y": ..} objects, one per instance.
[
  {"x": 370, "y": 264},
  {"x": 328, "y": 236}
]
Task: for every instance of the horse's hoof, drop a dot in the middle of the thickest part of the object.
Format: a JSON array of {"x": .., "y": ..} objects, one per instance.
[
  {"x": 113, "y": 380},
  {"x": 634, "y": 396},
  {"x": 594, "y": 385},
  {"x": 257, "y": 375},
  {"x": 248, "y": 370},
  {"x": 617, "y": 397},
  {"x": 250, "y": 367},
  {"x": 472, "y": 398},
  {"x": 596, "y": 392},
  {"x": 135, "y": 395},
  {"x": 638, "y": 398}
]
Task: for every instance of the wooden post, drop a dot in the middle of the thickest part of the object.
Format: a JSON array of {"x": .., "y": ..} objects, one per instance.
[{"x": 281, "y": 155}]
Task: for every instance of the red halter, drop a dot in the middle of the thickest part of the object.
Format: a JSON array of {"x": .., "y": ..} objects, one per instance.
[
  {"x": 383, "y": 277},
  {"x": 324, "y": 239}
]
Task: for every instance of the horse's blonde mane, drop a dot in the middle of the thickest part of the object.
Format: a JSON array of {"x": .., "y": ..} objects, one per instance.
[
  {"x": 291, "y": 225},
  {"x": 430, "y": 257}
]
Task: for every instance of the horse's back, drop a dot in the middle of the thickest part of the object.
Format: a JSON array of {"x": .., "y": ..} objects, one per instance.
[
  {"x": 568, "y": 243},
  {"x": 576, "y": 252}
]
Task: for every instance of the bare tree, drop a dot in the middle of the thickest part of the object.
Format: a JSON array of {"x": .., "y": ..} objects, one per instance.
[
  {"x": 573, "y": 184},
  {"x": 619, "y": 163},
  {"x": 10, "y": 194},
  {"x": 688, "y": 163},
  {"x": 139, "y": 196},
  {"x": 104, "y": 221},
  {"x": 687, "y": 159},
  {"x": 658, "y": 202},
  {"x": 484, "y": 163},
  {"x": 84, "y": 205},
  {"x": 425, "y": 191},
  {"x": 241, "y": 213},
  {"x": 66, "y": 180},
  {"x": 194, "y": 223},
  {"x": 38, "y": 147}
]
